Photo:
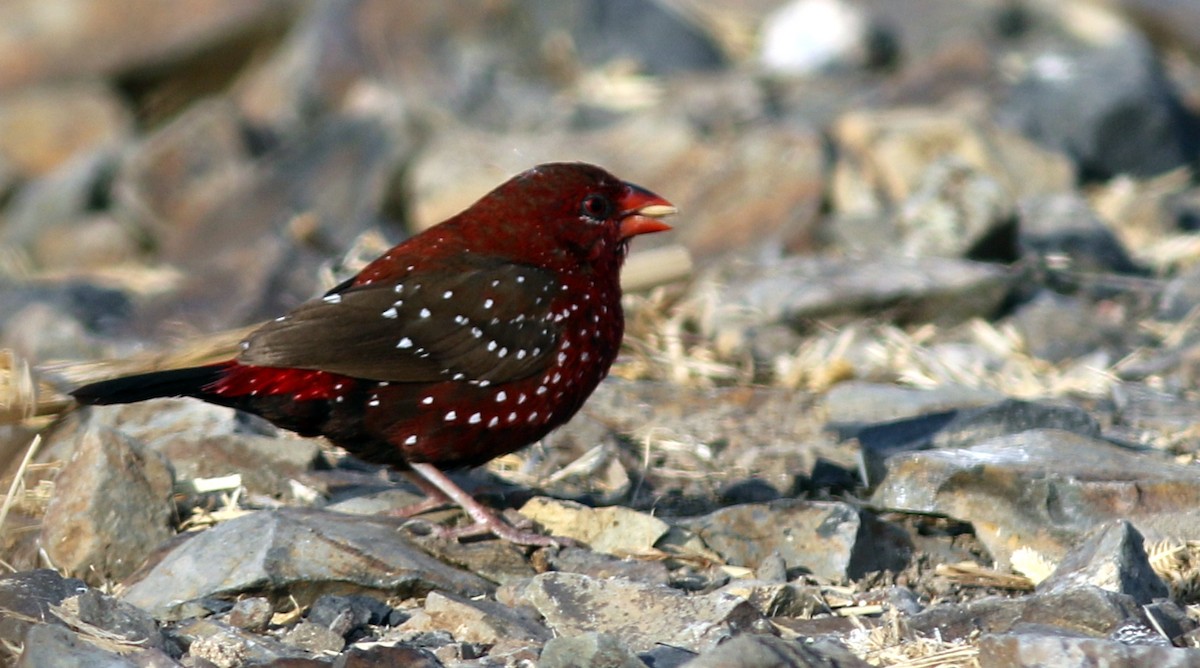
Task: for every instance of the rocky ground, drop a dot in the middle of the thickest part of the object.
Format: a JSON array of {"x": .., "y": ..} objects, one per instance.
[{"x": 912, "y": 383}]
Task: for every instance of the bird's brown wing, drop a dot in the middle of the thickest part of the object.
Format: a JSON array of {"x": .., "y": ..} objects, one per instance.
[{"x": 491, "y": 324}]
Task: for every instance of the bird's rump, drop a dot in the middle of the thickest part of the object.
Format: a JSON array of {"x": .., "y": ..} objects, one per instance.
[{"x": 485, "y": 324}]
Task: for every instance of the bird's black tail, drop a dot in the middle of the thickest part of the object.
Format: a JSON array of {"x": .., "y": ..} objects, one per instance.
[{"x": 190, "y": 382}]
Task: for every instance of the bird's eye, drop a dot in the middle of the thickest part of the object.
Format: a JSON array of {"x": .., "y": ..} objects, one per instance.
[{"x": 596, "y": 207}]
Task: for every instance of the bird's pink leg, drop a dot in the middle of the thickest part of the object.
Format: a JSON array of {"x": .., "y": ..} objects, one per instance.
[
  {"x": 434, "y": 498},
  {"x": 485, "y": 519}
]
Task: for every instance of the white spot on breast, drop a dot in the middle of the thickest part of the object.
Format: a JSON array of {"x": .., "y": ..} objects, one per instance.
[
  {"x": 427, "y": 400},
  {"x": 405, "y": 343},
  {"x": 399, "y": 288},
  {"x": 521, "y": 354},
  {"x": 476, "y": 332},
  {"x": 521, "y": 278},
  {"x": 339, "y": 386},
  {"x": 447, "y": 294},
  {"x": 424, "y": 313},
  {"x": 374, "y": 401},
  {"x": 484, "y": 383},
  {"x": 339, "y": 399},
  {"x": 384, "y": 383},
  {"x": 566, "y": 344},
  {"x": 460, "y": 319},
  {"x": 487, "y": 303},
  {"x": 332, "y": 299},
  {"x": 493, "y": 422},
  {"x": 533, "y": 416},
  {"x": 451, "y": 416},
  {"x": 390, "y": 313},
  {"x": 458, "y": 376},
  {"x": 501, "y": 396},
  {"x": 495, "y": 282},
  {"x": 557, "y": 377},
  {"x": 502, "y": 352},
  {"x": 411, "y": 440},
  {"x": 492, "y": 345},
  {"x": 475, "y": 418},
  {"x": 521, "y": 398},
  {"x": 541, "y": 389},
  {"x": 562, "y": 358},
  {"x": 585, "y": 356},
  {"x": 512, "y": 417}
]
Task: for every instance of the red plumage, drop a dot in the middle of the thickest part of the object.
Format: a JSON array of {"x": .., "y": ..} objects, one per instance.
[{"x": 463, "y": 343}]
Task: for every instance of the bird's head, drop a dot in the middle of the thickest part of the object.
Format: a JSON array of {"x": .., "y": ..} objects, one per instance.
[{"x": 569, "y": 212}]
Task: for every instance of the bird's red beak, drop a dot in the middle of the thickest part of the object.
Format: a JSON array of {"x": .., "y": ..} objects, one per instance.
[{"x": 640, "y": 211}]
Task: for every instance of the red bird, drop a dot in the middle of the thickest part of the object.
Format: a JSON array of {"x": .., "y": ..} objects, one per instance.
[{"x": 464, "y": 343}]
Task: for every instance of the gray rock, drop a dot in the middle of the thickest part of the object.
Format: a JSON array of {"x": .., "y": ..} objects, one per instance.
[
  {"x": 965, "y": 427},
  {"x": 1057, "y": 327},
  {"x": 229, "y": 647},
  {"x": 252, "y": 613},
  {"x": 477, "y": 621},
  {"x": 604, "y": 566},
  {"x": 28, "y": 595},
  {"x": 1083, "y": 102},
  {"x": 662, "y": 41},
  {"x": 314, "y": 638},
  {"x": 1044, "y": 489},
  {"x": 1027, "y": 649},
  {"x": 1087, "y": 610},
  {"x": 856, "y": 403},
  {"x": 1113, "y": 558},
  {"x": 588, "y": 650},
  {"x": 641, "y": 616},
  {"x": 53, "y": 646},
  {"x": 831, "y": 540},
  {"x": 111, "y": 507},
  {"x": 955, "y": 211},
  {"x": 300, "y": 552},
  {"x": 756, "y": 651},
  {"x": 798, "y": 290},
  {"x": 1053, "y": 227}
]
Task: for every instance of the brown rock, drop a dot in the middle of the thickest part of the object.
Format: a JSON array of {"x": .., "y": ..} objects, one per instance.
[
  {"x": 42, "y": 128},
  {"x": 54, "y": 39},
  {"x": 110, "y": 509}
]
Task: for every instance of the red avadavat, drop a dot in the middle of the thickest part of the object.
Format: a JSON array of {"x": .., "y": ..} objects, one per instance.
[{"x": 464, "y": 343}]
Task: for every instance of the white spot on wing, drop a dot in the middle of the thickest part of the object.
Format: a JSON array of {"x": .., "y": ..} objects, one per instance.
[
  {"x": 390, "y": 313},
  {"x": 405, "y": 343},
  {"x": 424, "y": 313},
  {"x": 332, "y": 299}
]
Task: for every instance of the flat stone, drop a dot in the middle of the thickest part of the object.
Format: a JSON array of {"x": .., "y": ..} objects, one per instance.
[
  {"x": 1044, "y": 489},
  {"x": 1085, "y": 610},
  {"x": 610, "y": 530},
  {"x": 754, "y": 650},
  {"x": 965, "y": 427},
  {"x": 294, "y": 552},
  {"x": 228, "y": 646},
  {"x": 588, "y": 650},
  {"x": 831, "y": 540},
  {"x": 641, "y": 616},
  {"x": 798, "y": 290},
  {"x": 1027, "y": 649},
  {"x": 53, "y": 646},
  {"x": 857, "y": 403},
  {"x": 476, "y": 621}
]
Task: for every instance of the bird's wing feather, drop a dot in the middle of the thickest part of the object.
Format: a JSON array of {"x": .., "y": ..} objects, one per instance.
[{"x": 489, "y": 323}]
